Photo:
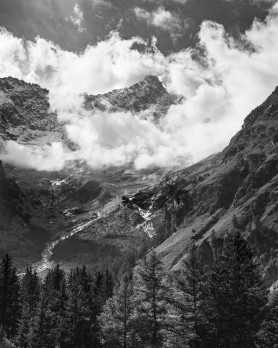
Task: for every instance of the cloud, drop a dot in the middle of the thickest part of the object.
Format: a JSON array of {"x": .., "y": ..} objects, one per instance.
[
  {"x": 77, "y": 18},
  {"x": 180, "y": 1},
  {"x": 101, "y": 4},
  {"x": 49, "y": 157},
  {"x": 220, "y": 88},
  {"x": 164, "y": 20}
]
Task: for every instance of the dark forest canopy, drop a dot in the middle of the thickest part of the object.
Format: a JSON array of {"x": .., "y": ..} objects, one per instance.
[{"x": 226, "y": 306}]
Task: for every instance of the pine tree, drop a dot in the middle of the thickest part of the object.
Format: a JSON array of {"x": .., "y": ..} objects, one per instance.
[
  {"x": 101, "y": 291},
  {"x": 79, "y": 310},
  {"x": 152, "y": 297},
  {"x": 9, "y": 297},
  {"x": 236, "y": 305},
  {"x": 39, "y": 335},
  {"x": 190, "y": 294},
  {"x": 117, "y": 317},
  {"x": 49, "y": 322},
  {"x": 108, "y": 285},
  {"x": 30, "y": 289}
]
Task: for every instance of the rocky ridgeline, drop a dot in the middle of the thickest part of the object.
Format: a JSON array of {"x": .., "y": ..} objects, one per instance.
[
  {"x": 25, "y": 114},
  {"x": 148, "y": 95}
]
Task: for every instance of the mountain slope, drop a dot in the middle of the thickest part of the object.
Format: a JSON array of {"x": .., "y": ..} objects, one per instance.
[
  {"x": 24, "y": 223},
  {"x": 202, "y": 203},
  {"x": 238, "y": 186},
  {"x": 57, "y": 203}
]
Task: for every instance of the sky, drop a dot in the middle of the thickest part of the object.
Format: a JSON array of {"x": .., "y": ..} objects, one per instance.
[
  {"x": 74, "y": 24},
  {"x": 219, "y": 55}
]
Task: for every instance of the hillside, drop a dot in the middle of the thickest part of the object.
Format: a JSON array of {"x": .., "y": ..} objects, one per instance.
[
  {"x": 96, "y": 216},
  {"x": 237, "y": 186},
  {"x": 25, "y": 224}
]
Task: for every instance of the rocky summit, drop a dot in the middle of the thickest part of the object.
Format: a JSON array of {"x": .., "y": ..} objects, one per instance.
[{"x": 110, "y": 217}]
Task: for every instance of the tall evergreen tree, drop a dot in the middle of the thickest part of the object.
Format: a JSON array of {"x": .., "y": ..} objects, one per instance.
[
  {"x": 117, "y": 317},
  {"x": 79, "y": 313},
  {"x": 102, "y": 290},
  {"x": 9, "y": 297},
  {"x": 30, "y": 289},
  {"x": 49, "y": 322},
  {"x": 190, "y": 294},
  {"x": 152, "y": 297},
  {"x": 39, "y": 335},
  {"x": 108, "y": 285},
  {"x": 237, "y": 299}
]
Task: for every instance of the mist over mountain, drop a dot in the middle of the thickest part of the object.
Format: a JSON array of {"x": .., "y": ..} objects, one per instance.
[
  {"x": 115, "y": 128},
  {"x": 214, "y": 94}
]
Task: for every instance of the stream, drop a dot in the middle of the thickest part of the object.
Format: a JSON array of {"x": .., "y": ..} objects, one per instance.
[{"x": 45, "y": 262}]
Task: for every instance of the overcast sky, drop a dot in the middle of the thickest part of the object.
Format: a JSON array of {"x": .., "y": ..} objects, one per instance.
[{"x": 220, "y": 55}]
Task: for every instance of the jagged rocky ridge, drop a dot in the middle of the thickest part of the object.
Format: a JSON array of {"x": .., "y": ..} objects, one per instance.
[
  {"x": 25, "y": 114},
  {"x": 148, "y": 95}
]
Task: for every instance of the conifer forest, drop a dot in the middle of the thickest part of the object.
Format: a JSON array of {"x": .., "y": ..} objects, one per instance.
[{"x": 226, "y": 305}]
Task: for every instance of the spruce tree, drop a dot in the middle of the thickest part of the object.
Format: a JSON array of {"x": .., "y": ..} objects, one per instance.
[
  {"x": 49, "y": 322},
  {"x": 236, "y": 305},
  {"x": 190, "y": 294},
  {"x": 79, "y": 309},
  {"x": 152, "y": 297},
  {"x": 102, "y": 290},
  {"x": 30, "y": 289},
  {"x": 9, "y": 297},
  {"x": 108, "y": 285},
  {"x": 117, "y": 317},
  {"x": 39, "y": 335}
]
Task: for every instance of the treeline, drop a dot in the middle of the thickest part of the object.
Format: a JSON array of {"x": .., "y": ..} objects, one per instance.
[
  {"x": 227, "y": 306},
  {"x": 59, "y": 311}
]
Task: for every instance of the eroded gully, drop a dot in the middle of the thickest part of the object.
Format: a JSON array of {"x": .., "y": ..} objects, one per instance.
[{"x": 45, "y": 262}]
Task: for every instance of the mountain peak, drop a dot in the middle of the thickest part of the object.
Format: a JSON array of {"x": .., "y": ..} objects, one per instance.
[{"x": 148, "y": 94}]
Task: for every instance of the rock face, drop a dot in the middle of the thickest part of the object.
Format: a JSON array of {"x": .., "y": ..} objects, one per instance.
[
  {"x": 24, "y": 222},
  {"x": 148, "y": 95},
  {"x": 238, "y": 186},
  {"x": 25, "y": 115},
  {"x": 11, "y": 200}
]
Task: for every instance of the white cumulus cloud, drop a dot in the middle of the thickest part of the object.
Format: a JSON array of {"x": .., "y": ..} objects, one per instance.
[
  {"x": 219, "y": 88},
  {"x": 164, "y": 20},
  {"x": 77, "y": 18}
]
